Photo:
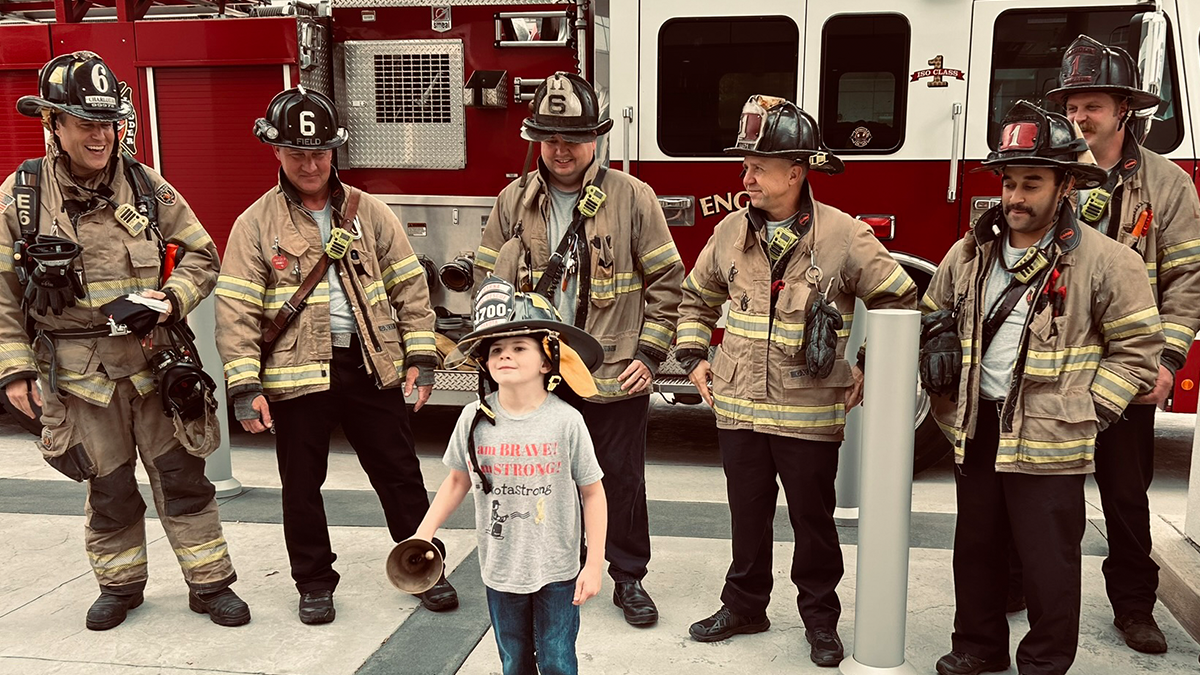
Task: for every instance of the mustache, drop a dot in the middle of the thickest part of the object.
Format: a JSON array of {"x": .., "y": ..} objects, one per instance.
[{"x": 1020, "y": 209}]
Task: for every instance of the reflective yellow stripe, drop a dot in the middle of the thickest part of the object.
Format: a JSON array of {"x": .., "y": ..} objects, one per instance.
[
  {"x": 754, "y": 327},
  {"x": 281, "y": 294},
  {"x": 95, "y": 388},
  {"x": 928, "y": 304},
  {"x": 661, "y": 257},
  {"x": 693, "y": 334},
  {"x": 777, "y": 415},
  {"x": 291, "y": 377},
  {"x": 1050, "y": 364},
  {"x": 110, "y": 563},
  {"x": 657, "y": 334},
  {"x": 897, "y": 283},
  {"x": 16, "y": 354},
  {"x": 238, "y": 370},
  {"x": 193, "y": 237},
  {"x": 205, "y": 554},
  {"x": 1113, "y": 388},
  {"x": 1144, "y": 322},
  {"x": 240, "y": 289},
  {"x": 401, "y": 271},
  {"x": 1012, "y": 450},
  {"x": 143, "y": 382},
  {"x": 419, "y": 341},
  {"x": 1182, "y": 253},
  {"x": 485, "y": 258},
  {"x": 1152, "y": 272},
  {"x": 1178, "y": 335},
  {"x": 710, "y": 298},
  {"x": 608, "y": 387},
  {"x": 101, "y": 292},
  {"x": 607, "y": 289},
  {"x": 6, "y": 259},
  {"x": 375, "y": 292},
  {"x": 186, "y": 291}
]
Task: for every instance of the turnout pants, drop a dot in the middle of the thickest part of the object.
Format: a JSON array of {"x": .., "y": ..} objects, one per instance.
[
  {"x": 102, "y": 446},
  {"x": 1043, "y": 517},
  {"x": 752, "y": 461},
  {"x": 376, "y": 423},
  {"x": 1124, "y": 469},
  {"x": 618, "y": 432}
]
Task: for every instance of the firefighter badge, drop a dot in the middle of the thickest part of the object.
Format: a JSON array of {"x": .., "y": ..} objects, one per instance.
[
  {"x": 165, "y": 194},
  {"x": 860, "y": 137}
]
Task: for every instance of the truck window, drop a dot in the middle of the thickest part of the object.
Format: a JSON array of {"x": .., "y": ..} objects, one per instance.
[
  {"x": 708, "y": 67},
  {"x": 1027, "y": 52},
  {"x": 863, "y": 84}
]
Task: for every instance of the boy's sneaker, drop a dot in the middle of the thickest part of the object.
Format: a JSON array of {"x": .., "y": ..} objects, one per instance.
[
  {"x": 725, "y": 624},
  {"x": 962, "y": 663},
  {"x": 1141, "y": 632},
  {"x": 827, "y": 650}
]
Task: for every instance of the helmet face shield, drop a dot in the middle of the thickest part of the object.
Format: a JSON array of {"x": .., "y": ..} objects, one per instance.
[{"x": 775, "y": 127}]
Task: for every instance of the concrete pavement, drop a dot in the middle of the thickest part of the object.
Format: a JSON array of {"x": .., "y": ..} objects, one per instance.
[{"x": 47, "y": 585}]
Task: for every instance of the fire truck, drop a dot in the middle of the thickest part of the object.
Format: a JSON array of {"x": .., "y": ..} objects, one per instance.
[{"x": 909, "y": 92}]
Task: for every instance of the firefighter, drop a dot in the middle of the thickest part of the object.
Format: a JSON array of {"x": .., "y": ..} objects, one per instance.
[
  {"x": 791, "y": 268},
  {"x": 327, "y": 269},
  {"x": 595, "y": 241},
  {"x": 1039, "y": 330},
  {"x": 1149, "y": 204},
  {"x": 84, "y": 226}
]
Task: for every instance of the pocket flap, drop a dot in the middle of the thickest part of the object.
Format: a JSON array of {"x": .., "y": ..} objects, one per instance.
[
  {"x": 797, "y": 377},
  {"x": 619, "y": 347},
  {"x": 723, "y": 366},
  {"x": 1075, "y": 406},
  {"x": 143, "y": 253}
]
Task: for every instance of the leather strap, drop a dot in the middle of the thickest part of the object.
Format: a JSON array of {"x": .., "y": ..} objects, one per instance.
[
  {"x": 552, "y": 275},
  {"x": 286, "y": 314}
]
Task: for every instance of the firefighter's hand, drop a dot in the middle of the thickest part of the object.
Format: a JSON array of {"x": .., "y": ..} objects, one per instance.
[
  {"x": 19, "y": 392},
  {"x": 159, "y": 295},
  {"x": 264, "y": 420},
  {"x": 636, "y": 377},
  {"x": 701, "y": 377},
  {"x": 423, "y": 390},
  {"x": 854, "y": 393},
  {"x": 1161, "y": 391}
]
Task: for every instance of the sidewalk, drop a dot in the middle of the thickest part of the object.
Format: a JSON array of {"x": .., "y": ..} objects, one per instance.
[{"x": 47, "y": 586}]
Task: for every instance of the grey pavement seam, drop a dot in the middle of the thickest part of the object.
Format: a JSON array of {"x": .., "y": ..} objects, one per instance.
[
  {"x": 154, "y": 667},
  {"x": 432, "y": 643}
]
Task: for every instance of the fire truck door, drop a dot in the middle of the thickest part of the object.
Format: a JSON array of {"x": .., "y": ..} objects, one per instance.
[
  {"x": 887, "y": 81},
  {"x": 1016, "y": 54}
]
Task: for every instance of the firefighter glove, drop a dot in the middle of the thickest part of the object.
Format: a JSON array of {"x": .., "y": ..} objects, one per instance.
[
  {"x": 54, "y": 283},
  {"x": 1105, "y": 416},
  {"x": 940, "y": 363},
  {"x": 821, "y": 326}
]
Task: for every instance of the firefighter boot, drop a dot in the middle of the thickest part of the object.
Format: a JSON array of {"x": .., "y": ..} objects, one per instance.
[
  {"x": 441, "y": 598},
  {"x": 109, "y": 610},
  {"x": 224, "y": 607},
  {"x": 1141, "y": 632}
]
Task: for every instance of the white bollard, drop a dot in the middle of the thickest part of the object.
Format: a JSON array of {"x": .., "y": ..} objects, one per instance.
[
  {"x": 846, "y": 483},
  {"x": 881, "y": 582},
  {"x": 218, "y": 467}
]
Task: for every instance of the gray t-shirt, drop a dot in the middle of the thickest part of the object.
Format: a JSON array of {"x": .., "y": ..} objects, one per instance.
[
  {"x": 530, "y": 526},
  {"x": 562, "y": 211},
  {"x": 1001, "y": 357},
  {"x": 341, "y": 317}
]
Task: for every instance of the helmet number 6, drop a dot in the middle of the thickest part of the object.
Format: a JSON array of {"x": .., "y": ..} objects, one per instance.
[
  {"x": 100, "y": 78},
  {"x": 307, "y": 126}
]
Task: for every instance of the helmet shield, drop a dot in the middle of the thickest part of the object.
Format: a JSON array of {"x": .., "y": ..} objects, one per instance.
[
  {"x": 79, "y": 84},
  {"x": 774, "y": 127},
  {"x": 565, "y": 105},
  {"x": 303, "y": 119},
  {"x": 1089, "y": 66},
  {"x": 1033, "y": 137}
]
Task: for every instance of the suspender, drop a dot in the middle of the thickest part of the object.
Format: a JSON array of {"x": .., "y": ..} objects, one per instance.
[{"x": 554, "y": 267}]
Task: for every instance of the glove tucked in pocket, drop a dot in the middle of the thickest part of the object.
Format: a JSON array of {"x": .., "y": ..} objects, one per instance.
[
  {"x": 821, "y": 326},
  {"x": 940, "y": 361}
]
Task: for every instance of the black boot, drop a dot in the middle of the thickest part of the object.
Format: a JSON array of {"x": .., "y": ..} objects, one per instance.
[
  {"x": 109, "y": 610},
  {"x": 826, "y": 647},
  {"x": 316, "y": 607},
  {"x": 725, "y": 624},
  {"x": 636, "y": 603},
  {"x": 441, "y": 598},
  {"x": 224, "y": 607}
]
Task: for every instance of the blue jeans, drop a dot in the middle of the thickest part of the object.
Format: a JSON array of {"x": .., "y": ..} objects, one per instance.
[{"x": 536, "y": 632}]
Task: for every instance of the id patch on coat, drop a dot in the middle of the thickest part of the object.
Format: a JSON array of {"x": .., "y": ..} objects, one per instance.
[{"x": 165, "y": 194}]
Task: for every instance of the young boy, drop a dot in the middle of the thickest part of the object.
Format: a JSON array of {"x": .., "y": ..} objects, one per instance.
[{"x": 526, "y": 451}]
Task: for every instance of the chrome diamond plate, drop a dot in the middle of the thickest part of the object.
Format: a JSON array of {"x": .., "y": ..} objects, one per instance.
[
  {"x": 456, "y": 380},
  {"x": 404, "y": 104}
]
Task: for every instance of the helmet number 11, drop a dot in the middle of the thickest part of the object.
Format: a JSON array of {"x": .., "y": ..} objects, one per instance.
[{"x": 307, "y": 126}]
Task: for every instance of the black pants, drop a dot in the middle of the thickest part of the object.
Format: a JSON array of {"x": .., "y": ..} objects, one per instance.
[
  {"x": 1043, "y": 517},
  {"x": 618, "y": 432},
  {"x": 752, "y": 462},
  {"x": 376, "y": 424},
  {"x": 1124, "y": 469}
]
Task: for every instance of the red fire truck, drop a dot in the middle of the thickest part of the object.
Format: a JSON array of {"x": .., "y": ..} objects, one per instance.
[{"x": 909, "y": 92}]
